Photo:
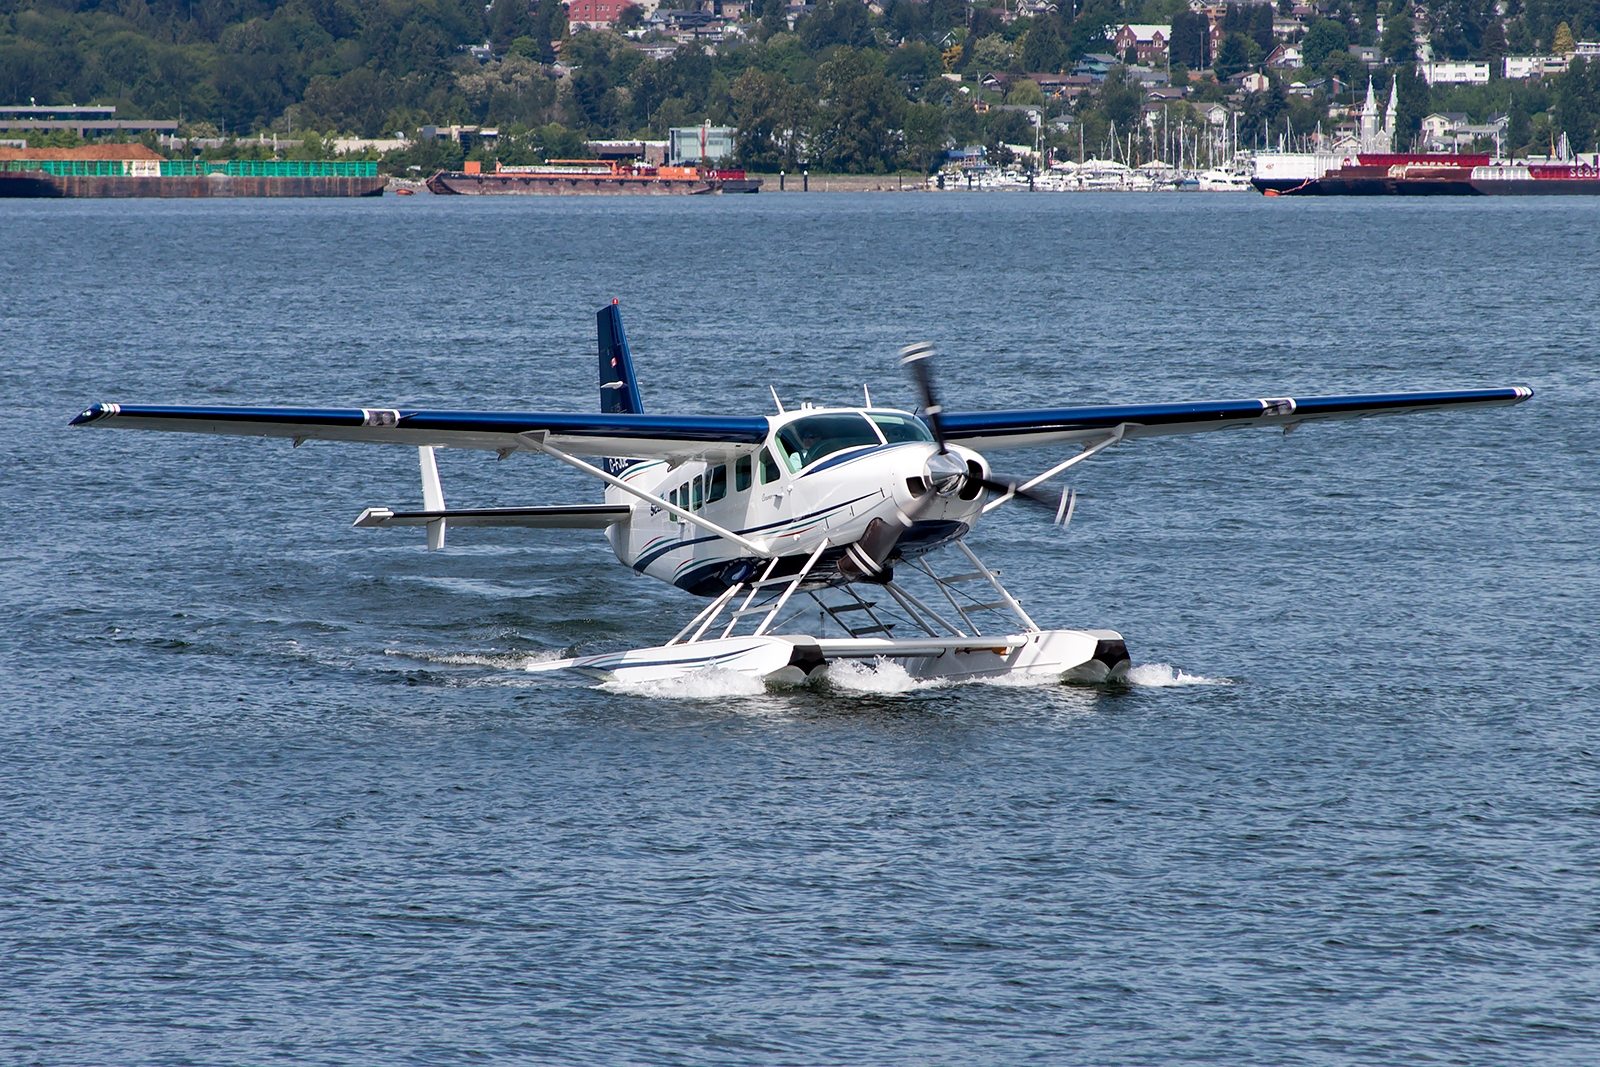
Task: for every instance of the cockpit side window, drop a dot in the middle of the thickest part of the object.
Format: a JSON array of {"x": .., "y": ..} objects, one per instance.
[
  {"x": 804, "y": 441},
  {"x": 897, "y": 429}
]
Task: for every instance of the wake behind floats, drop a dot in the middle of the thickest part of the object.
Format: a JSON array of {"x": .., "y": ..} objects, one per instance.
[{"x": 831, "y": 516}]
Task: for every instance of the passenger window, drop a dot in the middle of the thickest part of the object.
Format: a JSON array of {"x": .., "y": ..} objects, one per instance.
[
  {"x": 769, "y": 467},
  {"x": 699, "y": 492},
  {"x": 741, "y": 474},
  {"x": 717, "y": 485}
]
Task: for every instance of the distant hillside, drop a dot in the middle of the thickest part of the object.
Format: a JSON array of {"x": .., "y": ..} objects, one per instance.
[
  {"x": 847, "y": 87},
  {"x": 241, "y": 64}
]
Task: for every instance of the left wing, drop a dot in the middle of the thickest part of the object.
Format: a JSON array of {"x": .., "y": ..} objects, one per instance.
[
  {"x": 1028, "y": 429},
  {"x": 643, "y": 436}
]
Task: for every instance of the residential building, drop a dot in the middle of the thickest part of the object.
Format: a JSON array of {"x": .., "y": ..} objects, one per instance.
[
  {"x": 1447, "y": 72},
  {"x": 594, "y": 14},
  {"x": 1454, "y": 129},
  {"x": 1286, "y": 57},
  {"x": 1096, "y": 65},
  {"x": 1147, "y": 39},
  {"x": 1534, "y": 66},
  {"x": 1437, "y": 126}
]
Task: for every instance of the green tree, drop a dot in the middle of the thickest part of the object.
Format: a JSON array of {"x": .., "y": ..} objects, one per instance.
[
  {"x": 926, "y": 134},
  {"x": 1562, "y": 43},
  {"x": 1041, "y": 47},
  {"x": 1577, "y": 110},
  {"x": 770, "y": 115},
  {"x": 1324, "y": 36},
  {"x": 858, "y": 132},
  {"x": 549, "y": 26},
  {"x": 1026, "y": 92},
  {"x": 1120, "y": 100},
  {"x": 1190, "y": 34},
  {"x": 991, "y": 53},
  {"x": 508, "y": 20},
  {"x": 1399, "y": 43},
  {"x": 1238, "y": 53}
]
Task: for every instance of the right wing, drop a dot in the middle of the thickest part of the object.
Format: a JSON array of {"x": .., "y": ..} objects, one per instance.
[{"x": 985, "y": 430}]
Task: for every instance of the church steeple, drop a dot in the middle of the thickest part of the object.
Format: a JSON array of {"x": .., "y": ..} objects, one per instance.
[
  {"x": 1389, "y": 115},
  {"x": 1369, "y": 122}
]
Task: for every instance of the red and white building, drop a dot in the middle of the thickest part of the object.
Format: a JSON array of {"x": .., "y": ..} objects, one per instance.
[
  {"x": 595, "y": 14},
  {"x": 1149, "y": 40}
]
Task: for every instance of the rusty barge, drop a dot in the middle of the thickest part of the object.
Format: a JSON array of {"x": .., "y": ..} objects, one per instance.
[{"x": 565, "y": 177}]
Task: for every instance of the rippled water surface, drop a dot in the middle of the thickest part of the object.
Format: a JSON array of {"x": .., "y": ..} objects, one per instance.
[{"x": 272, "y": 788}]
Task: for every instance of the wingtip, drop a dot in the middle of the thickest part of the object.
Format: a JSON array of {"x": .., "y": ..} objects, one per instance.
[
  {"x": 1523, "y": 392},
  {"x": 95, "y": 413}
]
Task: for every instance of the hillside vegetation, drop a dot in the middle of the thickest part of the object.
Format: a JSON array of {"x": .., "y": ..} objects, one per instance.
[{"x": 845, "y": 89}]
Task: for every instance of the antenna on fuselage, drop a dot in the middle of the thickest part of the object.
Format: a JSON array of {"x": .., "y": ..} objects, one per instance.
[
  {"x": 775, "y": 399},
  {"x": 867, "y": 393}
]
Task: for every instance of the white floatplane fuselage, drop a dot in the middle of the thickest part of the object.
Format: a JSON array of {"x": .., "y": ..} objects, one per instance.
[{"x": 821, "y": 474}]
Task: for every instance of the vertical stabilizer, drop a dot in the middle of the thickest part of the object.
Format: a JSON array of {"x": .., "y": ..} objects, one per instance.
[{"x": 619, "y": 389}]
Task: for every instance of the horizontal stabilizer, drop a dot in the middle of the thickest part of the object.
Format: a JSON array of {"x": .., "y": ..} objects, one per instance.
[{"x": 561, "y": 517}]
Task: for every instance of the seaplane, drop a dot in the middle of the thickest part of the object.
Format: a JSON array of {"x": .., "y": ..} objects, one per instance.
[{"x": 812, "y": 533}]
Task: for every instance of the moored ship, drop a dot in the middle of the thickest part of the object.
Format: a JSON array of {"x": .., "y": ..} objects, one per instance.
[
  {"x": 1372, "y": 168},
  {"x": 590, "y": 176},
  {"x": 132, "y": 170}
]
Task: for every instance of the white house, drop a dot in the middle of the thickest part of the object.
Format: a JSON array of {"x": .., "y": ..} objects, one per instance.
[
  {"x": 1286, "y": 57},
  {"x": 1447, "y": 72},
  {"x": 1439, "y": 126},
  {"x": 1534, "y": 66}
]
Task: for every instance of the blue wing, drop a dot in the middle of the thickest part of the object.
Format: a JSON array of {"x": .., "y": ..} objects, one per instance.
[
  {"x": 1027, "y": 429},
  {"x": 616, "y": 434}
]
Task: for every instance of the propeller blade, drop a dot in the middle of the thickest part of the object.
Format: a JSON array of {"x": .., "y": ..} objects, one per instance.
[
  {"x": 918, "y": 358},
  {"x": 1060, "y": 505}
]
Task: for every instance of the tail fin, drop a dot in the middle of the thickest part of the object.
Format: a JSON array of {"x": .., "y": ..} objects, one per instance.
[{"x": 619, "y": 390}]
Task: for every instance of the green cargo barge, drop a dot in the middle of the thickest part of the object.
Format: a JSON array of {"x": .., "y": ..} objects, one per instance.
[{"x": 145, "y": 177}]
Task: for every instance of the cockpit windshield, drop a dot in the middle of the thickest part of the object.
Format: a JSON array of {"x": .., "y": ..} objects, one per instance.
[
  {"x": 897, "y": 429},
  {"x": 804, "y": 441}
]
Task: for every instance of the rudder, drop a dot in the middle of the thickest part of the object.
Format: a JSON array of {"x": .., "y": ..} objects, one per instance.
[{"x": 619, "y": 389}]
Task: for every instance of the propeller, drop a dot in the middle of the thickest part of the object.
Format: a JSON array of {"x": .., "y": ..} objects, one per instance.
[
  {"x": 948, "y": 473},
  {"x": 918, "y": 358}
]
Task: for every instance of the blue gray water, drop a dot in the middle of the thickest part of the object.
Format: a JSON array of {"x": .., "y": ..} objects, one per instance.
[{"x": 272, "y": 788}]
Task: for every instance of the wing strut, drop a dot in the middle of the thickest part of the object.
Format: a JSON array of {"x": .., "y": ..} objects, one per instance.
[
  {"x": 432, "y": 496},
  {"x": 536, "y": 439},
  {"x": 1065, "y": 508}
]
